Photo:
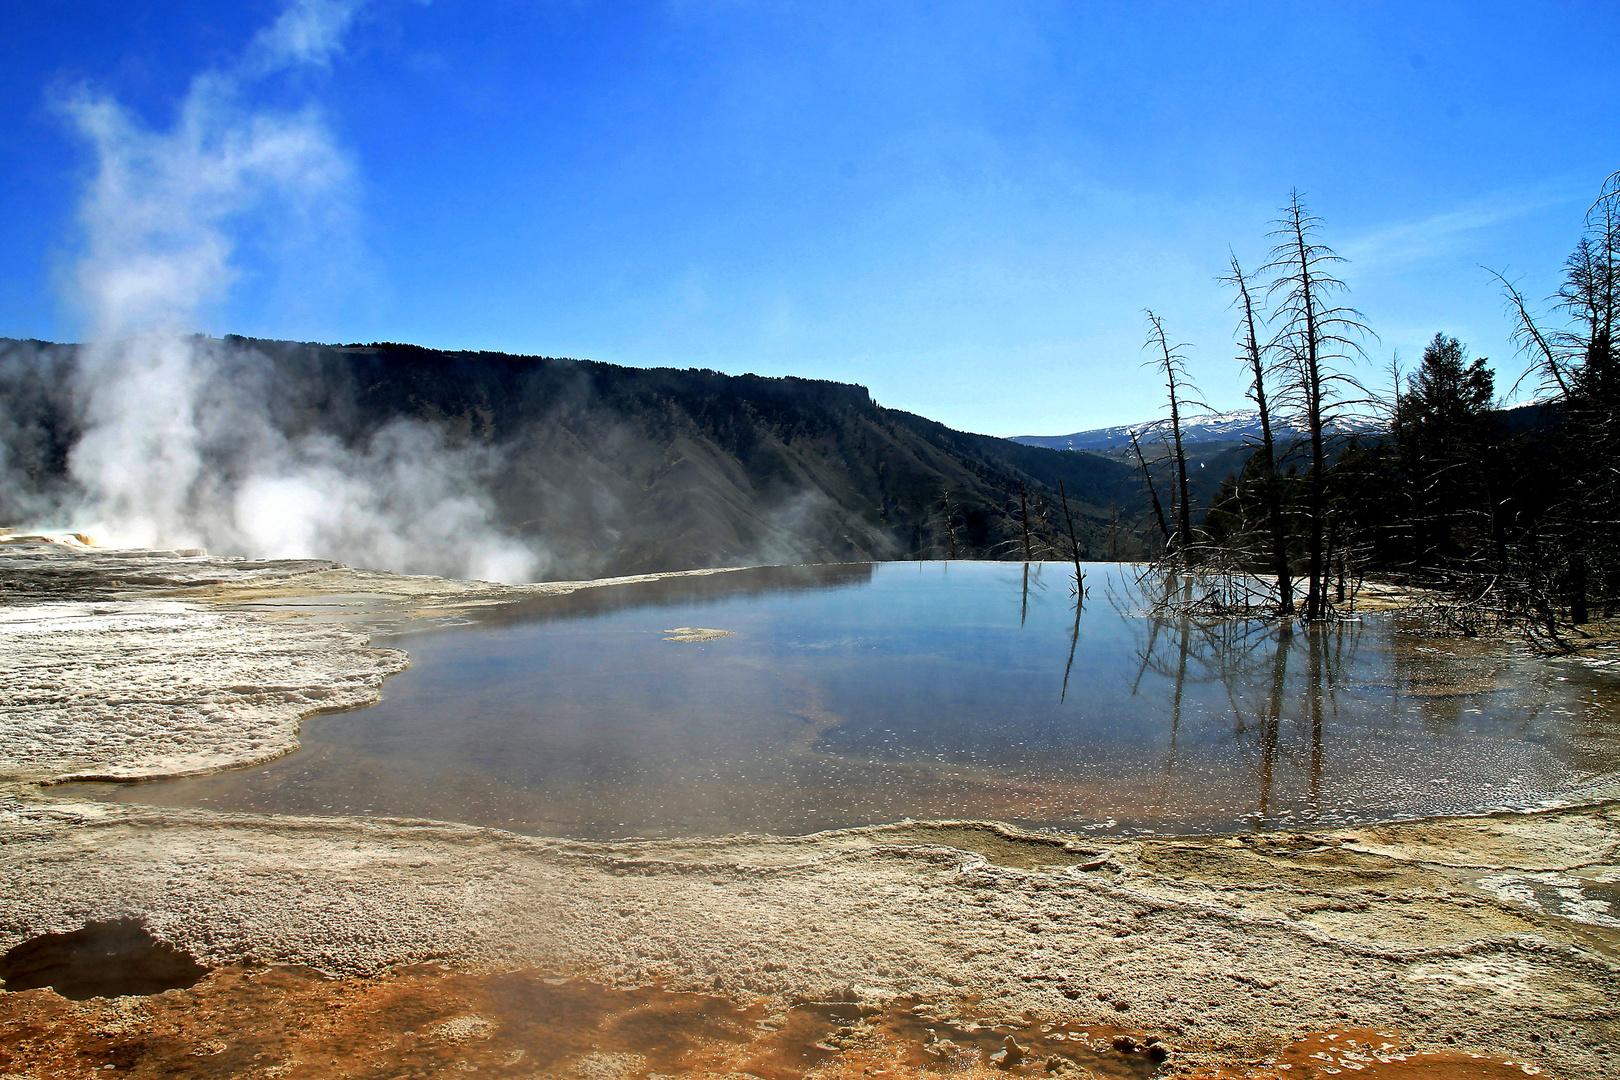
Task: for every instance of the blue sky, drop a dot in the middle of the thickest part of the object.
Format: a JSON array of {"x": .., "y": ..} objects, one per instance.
[{"x": 964, "y": 206}]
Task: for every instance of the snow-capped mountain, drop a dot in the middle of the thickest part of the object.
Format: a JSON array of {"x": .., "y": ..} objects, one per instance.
[{"x": 1227, "y": 427}]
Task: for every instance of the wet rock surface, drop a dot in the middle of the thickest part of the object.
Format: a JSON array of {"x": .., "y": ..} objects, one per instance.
[{"x": 61, "y": 567}]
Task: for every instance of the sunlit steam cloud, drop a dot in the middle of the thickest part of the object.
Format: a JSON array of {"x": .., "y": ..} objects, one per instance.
[{"x": 178, "y": 447}]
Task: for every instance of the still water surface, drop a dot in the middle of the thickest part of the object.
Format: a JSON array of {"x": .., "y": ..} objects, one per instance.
[{"x": 851, "y": 695}]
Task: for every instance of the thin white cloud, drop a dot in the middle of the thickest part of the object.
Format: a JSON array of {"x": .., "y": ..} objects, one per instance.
[
  {"x": 1402, "y": 245},
  {"x": 307, "y": 32}
]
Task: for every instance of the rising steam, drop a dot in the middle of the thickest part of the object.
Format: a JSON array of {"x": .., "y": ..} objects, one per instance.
[{"x": 178, "y": 447}]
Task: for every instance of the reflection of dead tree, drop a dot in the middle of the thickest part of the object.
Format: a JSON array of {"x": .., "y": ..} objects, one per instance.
[
  {"x": 1271, "y": 726},
  {"x": 1029, "y": 582},
  {"x": 1182, "y": 635},
  {"x": 1250, "y": 659},
  {"x": 1219, "y": 589},
  {"x": 1074, "y": 640},
  {"x": 1224, "y": 649},
  {"x": 1317, "y": 671}
]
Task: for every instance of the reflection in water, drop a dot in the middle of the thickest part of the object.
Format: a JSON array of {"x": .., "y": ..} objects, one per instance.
[
  {"x": 860, "y": 694},
  {"x": 1074, "y": 636},
  {"x": 692, "y": 591},
  {"x": 1271, "y": 725}
]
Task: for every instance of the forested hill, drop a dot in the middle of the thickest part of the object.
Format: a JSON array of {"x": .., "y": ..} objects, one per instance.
[{"x": 617, "y": 470}]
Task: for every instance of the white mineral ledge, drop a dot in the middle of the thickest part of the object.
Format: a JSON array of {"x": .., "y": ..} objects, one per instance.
[{"x": 145, "y": 688}]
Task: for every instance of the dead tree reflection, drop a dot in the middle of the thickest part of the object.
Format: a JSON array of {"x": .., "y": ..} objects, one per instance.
[
  {"x": 1251, "y": 662},
  {"x": 1271, "y": 725},
  {"x": 1074, "y": 640},
  {"x": 1032, "y": 583},
  {"x": 1183, "y": 634},
  {"x": 1315, "y": 693}
]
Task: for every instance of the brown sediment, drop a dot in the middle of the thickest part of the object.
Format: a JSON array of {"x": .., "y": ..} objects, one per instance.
[
  {"x": 424, "y": 1021},
  {"x": 428, "y": 1021},
  {"x": 1368, "y": 1054}
]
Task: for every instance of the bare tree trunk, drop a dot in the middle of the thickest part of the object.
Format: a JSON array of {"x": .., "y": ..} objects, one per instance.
[
  {"x": 1578, "y": 613},
  {"x": 1268, "y": 449},
  {"x": 1170, "y": 364},
  {"x": 1312, "y": 378},
  {"x": 1074, "y": 542},
  {"x": 1023, "y": 505},
  {"x": 1153, "y": 492},
  {"x": 1317, "y": 333},
  {"x": 948, "y": 511},
  {"x": 1498, "y": 535}
]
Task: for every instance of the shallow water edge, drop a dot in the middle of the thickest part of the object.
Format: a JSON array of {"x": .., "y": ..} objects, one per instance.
[{"x": 794, "y": 700}]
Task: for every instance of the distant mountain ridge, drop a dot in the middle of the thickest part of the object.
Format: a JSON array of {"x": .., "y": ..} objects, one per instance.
[
  {"x": 1237, "y": 426},
  {"x": 606, "y": 469}
]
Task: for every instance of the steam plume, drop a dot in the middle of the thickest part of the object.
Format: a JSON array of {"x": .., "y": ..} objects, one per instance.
[{"x": 178, "y": 446}]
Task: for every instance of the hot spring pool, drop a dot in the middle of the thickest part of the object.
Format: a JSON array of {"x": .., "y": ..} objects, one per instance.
[{"x": 853, "y": 695}]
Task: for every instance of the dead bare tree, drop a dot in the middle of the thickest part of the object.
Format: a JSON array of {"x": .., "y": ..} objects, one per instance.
[
  {"x": 1580, "y": 363},
  {"x": 1153, "y": 492},
  {"x": 1074, "y": 542},
  {"x": 1254, "y": 357},
  {"x": 1318, "y": 335},
  {"x": 1023, "y": 516},
  {"x": 1172, "y": 366},
  {"x": 947, "y": 510}
]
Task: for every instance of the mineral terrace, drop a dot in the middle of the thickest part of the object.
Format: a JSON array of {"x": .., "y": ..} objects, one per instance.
[{"x": 1491, "y": 936}]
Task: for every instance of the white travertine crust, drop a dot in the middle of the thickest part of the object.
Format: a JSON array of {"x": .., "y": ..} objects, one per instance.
[{"x": 158, "y": 688}]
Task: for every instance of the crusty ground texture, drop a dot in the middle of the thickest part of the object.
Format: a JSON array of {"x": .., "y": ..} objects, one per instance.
[{"x": 1495, "y": 934}]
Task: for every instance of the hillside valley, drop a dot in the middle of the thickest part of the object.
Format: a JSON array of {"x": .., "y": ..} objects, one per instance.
[{"x": 597, "y": 468}]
